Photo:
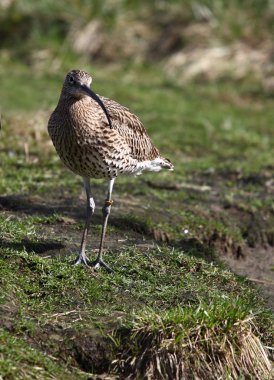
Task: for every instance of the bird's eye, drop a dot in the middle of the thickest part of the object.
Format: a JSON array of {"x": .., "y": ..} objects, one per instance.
[{"x": 71, "y": 80}]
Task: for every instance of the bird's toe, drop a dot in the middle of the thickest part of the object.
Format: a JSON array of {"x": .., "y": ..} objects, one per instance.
[
  {"x": 81, "y": 260},
  {"x": 99, "y": 263}
]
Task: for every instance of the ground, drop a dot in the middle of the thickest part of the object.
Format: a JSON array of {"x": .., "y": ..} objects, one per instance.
[{"x": 169, "y": 234}]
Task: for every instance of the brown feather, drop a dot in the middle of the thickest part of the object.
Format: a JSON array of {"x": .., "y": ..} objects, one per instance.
[
  {"x": 130, "y": 127},
  {"x": 88, "y": 146}
]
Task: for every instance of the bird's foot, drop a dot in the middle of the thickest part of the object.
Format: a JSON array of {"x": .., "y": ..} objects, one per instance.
[
  {"x": 99, "y": 263},
  {"x": 96, "y": 264},
  {"x": 81, "y": 260}
]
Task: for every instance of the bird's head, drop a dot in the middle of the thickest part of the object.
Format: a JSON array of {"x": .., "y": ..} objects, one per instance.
[{"x": 77, "y": 85}]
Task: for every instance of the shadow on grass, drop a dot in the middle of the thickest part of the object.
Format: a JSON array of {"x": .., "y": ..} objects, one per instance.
[
  {"x": 72, "y": 208},
  {"x": 193, "y": 247},
  {"x": 20, "y": 203},
  {"x": 39, "y": 247}
]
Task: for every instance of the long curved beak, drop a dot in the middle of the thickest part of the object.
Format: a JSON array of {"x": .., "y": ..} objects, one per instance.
[{"x": 92, "y": 94}]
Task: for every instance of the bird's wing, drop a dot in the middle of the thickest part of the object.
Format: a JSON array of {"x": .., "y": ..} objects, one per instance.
[{"x": 131, "y": 129}]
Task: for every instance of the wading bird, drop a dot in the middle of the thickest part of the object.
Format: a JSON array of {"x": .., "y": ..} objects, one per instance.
[{"x": 96, "y": 137}]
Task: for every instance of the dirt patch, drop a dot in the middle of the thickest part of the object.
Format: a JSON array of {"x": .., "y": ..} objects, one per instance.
[
  {"x": 91, "y": 352},
  {"x": 86, "y": 349},
  {"x": 257, "y": 266},
  {"x": 8, "y": 312}
]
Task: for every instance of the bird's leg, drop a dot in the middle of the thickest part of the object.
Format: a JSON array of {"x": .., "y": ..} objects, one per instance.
[
  {"x": 82, "y": 258},
  {"x": 106, "y": 211}
]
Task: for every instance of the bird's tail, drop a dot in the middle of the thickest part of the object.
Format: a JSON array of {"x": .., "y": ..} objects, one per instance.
[
  {"x": 154, "y": 165},
  {"x": 166, "y": 164}
]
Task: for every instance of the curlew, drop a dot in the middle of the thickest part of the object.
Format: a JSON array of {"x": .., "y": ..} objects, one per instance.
[{"x": 96, "y": 137}]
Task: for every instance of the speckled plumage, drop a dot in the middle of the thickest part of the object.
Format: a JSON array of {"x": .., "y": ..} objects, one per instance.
[
  {"x": 96, "y": 137},
  {"x": 83, "y": 139}
]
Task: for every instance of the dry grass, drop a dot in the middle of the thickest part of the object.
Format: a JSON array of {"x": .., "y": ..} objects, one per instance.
[{"x": 200, "y": 351}]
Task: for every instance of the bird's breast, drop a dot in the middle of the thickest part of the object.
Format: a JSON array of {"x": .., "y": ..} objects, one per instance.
[{"x": 87, "y": 146}]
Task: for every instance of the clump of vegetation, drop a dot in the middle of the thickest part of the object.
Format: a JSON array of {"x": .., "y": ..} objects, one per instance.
[
  {"x": 28, "y": 26},
  {"x": 209, "y": 341}
]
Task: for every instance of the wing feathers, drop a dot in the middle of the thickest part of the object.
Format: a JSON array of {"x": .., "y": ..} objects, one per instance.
[{"x": 132, "y": 130}]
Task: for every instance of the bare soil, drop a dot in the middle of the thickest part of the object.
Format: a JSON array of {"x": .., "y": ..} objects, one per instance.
[{"x": 256, "y": 266}]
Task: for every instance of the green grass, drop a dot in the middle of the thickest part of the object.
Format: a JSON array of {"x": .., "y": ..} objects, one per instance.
[
  {"x": 49, "y": 22},
  {"x": 50, "y": 311},
  {"x": 162, "y": 289},
  {"x": 233, "y": 136},
  {"x": 18, "y": 360},
  {"x": 229, "y": 150}
]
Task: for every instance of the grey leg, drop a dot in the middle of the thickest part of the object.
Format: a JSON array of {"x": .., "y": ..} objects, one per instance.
[
  {"x": 106, "y": 211},
  {"x": 82, "y": 258}
]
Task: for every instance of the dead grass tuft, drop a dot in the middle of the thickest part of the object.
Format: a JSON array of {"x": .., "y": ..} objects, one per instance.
[{"x": 176, "y": 351}]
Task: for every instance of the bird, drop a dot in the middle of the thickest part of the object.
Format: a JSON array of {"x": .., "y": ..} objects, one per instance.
[{"x": 96, "y": 137}]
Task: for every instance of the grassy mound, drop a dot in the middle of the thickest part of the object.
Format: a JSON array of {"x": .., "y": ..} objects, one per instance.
[{"x": 161, "y": 314}]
